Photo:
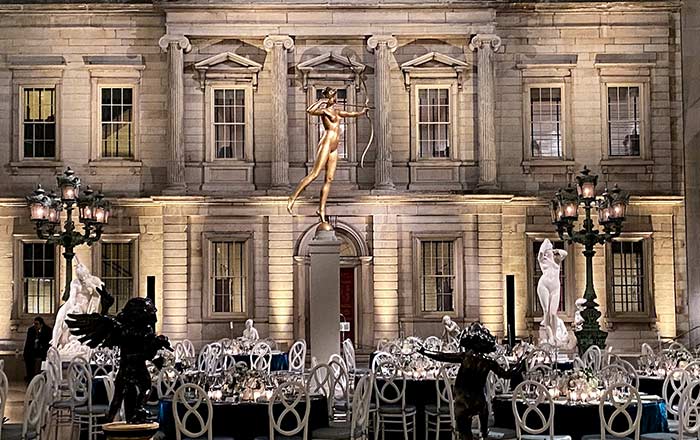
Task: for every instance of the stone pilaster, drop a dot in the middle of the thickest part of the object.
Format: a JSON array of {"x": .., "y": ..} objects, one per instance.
[
  {"x": 486, "y": 45},
  {"x": 383, "y": 46},
  {"x": 176, "y": 45},
  {"x": 278, "y": 46}
]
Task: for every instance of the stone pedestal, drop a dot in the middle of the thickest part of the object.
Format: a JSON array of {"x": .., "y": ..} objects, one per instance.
[
  {"x": 324, "y": 294},
  {"x": 124, "y": 431}
]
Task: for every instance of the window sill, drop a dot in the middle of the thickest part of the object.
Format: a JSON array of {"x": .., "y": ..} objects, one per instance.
[
  {"x": 34, "y": 164},
  {"x": 228, "y": 162},
  {"x": 626, "y": 161},
  {"x": 630, "y": 319},
  {"x": 124, "y": 163},
  {"x": 533, "y": 164}
]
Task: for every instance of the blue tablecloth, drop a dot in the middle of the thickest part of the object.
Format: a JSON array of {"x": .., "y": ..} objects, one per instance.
[
  {"x": 280, "y": 361},
  {"x": 580, "y": 420}
]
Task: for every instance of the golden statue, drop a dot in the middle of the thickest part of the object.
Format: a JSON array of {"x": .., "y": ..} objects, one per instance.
[{"x": 327, "y": 154}]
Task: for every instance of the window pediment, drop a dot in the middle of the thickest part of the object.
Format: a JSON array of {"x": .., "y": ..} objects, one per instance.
[
  {"x": 228, "y": 66},
  {"x": 330, "y": 66},
  {"x": 434, "y": 65},
  {"x": 546, "y": 65}
]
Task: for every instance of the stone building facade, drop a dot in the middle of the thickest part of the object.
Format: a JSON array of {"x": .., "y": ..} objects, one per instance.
[{"x": 190, "y": 117}]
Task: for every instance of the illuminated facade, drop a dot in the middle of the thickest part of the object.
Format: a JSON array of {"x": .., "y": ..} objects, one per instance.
[{"x": 190, "y": 117}]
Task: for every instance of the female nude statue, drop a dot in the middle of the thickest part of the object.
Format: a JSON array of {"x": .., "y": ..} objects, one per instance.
[
  {"x": 327, "y": 154},
  {"x": 548, "y": 292}
]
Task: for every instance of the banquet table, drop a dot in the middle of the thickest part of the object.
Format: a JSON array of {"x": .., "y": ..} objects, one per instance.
[
  {"x": 279, "y": 362},
  {"x": 580, "y": 420},
  {"x": 244, "y": 421},
  {"x": 651, "y": 385}
]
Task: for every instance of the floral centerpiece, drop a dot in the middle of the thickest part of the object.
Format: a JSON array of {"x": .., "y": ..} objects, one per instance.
[{"x": 582, "y": 385}]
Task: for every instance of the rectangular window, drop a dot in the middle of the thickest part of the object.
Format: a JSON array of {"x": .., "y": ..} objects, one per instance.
[
  {"x": 341, "y": 102},
  {"x": 117, "y": 272},
  {"x": 538, "y": 273},
  {"x": 117, "y": 122},
  {"x": 545, "y": 122},
  {"x": 39, "y": 122},
  {"x": 437, "y": 276},
  {"x": 623, "y": 121},
  {"x": 628, "y": 276},
  {"x": 229, "y": 123},
  {"x": 434, "y": 123},
  {"x": 39, "y": 277},
  {"x": 229, "y": 276}
]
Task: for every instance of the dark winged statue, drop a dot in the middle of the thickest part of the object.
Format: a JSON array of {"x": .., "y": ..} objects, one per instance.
[{"x": 133, "y": 331}]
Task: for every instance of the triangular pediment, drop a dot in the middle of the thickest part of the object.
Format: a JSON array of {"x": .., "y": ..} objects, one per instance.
[
  {"x": 228, "y": 61},
  {"x": 434, "y": 60},
  {"x": 330, "y": 61}
]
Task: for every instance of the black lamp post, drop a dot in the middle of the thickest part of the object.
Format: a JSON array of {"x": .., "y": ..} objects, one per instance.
[
  {"x": 45, "y": 212},
  {"x": 611, "y": 208}
]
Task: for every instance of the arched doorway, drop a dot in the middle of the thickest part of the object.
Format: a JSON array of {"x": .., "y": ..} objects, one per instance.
[{"x": 356, "y": 304}]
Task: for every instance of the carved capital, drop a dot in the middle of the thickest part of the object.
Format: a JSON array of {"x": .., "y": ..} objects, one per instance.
[
  {"x": 278, "y": 40},
  {"x": 183, "y": 43},
  {"x": 376, "y": 40},
  {"x": 482, "y": 41}
]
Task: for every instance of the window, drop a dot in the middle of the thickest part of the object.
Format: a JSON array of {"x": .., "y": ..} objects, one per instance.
[
  {"x": 437, "y": 275},
  {"x": 342, "y": 100},
  {"x": 624, "y": 121},
  {"x": 117, "y": 271},
  {"x": 536, "y": 244},
  {"x": 229, "y": 123},
  {"x": 229, "y": 276},
  {"x": 117, "y": 122},
  {"x": 546, "y": 122},
  {"x": 39, "y": 114},
  {"x": 38, "y": 277},
  {"x": 434, "y": 122},
  {"x": 628, "y": 273}
]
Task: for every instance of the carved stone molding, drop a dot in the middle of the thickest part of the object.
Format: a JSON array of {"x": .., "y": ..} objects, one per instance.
[
  {"x": 183, "y": 43},
  {"x": 480, "y": 41},
  {"x": 389, "y": 40},
  {"x": 273, "y": 40}
]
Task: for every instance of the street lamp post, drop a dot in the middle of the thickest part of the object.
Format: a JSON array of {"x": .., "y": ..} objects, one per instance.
[
  {"x": 611, "y": 207},
  {"x": 45, "y": 212}
]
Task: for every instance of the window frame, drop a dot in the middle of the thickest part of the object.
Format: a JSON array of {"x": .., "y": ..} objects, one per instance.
[
  {"x": 18, "y": 311},
  {"x": 209, "y": 117},
  {"x": 458, "y": 264},
  {"x": 350, "y": 87},
  {"x": 644, "y": 114},
  {"x": 563, "y": 84},
  {"x": 449, "y": 84},
  {"x": 649, "y": 315},
  {"x": 20, "y": 120},
  {"x": 99, "y": 83},
  {"x": 570, "y": 282},
  {"x": 208, "y": 239},
  {"x": 120, "y": 238}
]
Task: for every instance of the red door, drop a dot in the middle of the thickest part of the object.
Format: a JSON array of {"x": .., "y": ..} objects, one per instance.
[{"x": 347, "y": 298}]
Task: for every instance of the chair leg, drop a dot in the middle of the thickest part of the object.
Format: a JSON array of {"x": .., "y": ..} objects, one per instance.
[{"x": 405, "y": 428}]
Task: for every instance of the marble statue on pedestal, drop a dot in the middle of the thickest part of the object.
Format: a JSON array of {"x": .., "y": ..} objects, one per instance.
[
  {"x": 553, "y": 330},
  {"x": 450, "y": 331},
  {"x": 84, "y": 298},
  {"x": 250, "y": 334}
]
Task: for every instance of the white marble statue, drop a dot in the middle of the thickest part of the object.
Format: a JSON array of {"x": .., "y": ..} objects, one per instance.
[
  {"x": 578, "y": 319},
  {"x": 250, "y": 333},
  {"x": 553, "y": 330},
  {"x": 83, "y": 298},
  {"x": 450, "y": 331}
]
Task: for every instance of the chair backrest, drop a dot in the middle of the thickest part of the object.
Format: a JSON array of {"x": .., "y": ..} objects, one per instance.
[
  {"x": 80, "y": 382},
  {"x": 292, "y": 396},
  {"x": 225, "y": 362},
  {"x": 674, "y": 384},
  {"x": 359, "y": 422},
  {"x": 592, "y": 358},
  {"x": 102, "y": 360},
  {"x": 622, "y": 397},
  {"x": 432, "y": 343},
  {"x": 379, "y": 358},
  {"x": 615, "y": 373},
  {"x": 167, "y": 382},
  {"x": 538, "y": 357},
  {"x": 647, "y": 350},
  {"x": 389, "y": 387},
  {"x": 297, "y": 356},
  {"x": 349, "y": 355},
  {"x": 34, "y": 409},
  {"x": 4, "y": 385},
  {"x": 443, "y": 390},
  {"x": 53, "y": 360},
  {"x": 533, "y": 396},
  {"x": 263, "y": 361},
  {"x": 341, "y": 379},
  {"x": 190, "y": 397},
  {"x": 393, "y": 348},
  {"x": 320, "y": 381},
  {"x": 693, "y": 368},
  {"x": 689, "y": 409}
]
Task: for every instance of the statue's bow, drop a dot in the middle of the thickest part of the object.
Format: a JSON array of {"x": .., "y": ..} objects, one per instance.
[{"x": 369, "y": 118}]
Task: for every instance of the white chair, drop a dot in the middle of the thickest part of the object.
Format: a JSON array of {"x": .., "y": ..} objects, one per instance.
[
  {"x": 261, "y": 357},
  {"x": 291, "y": 396},
  {"x": 381, "y": 357},
  {"x": 614, "y": 373},
  {"x": 340, "y": 394},
  {"x": 359, "y": 423},
  {"x": 33, "y": 412},
  {"x": 592, "y": 358},
  {"x": 532, "y": 395},
  {"x": 4, "y": 385},
  {"x": 538, "y": 357},
  {"x": 393, "y": 415},
  {"x": 189, "y": 398},
  {"x": 647, "y": 350},
  {"x": 442, "y": 411},
  {"x": 320, "y": 382},
  {"x": 674, "y": 384},
  {"x": 297, "y": 356},
  {"x": 432, "y": 343},
  {"x": 84, "y": 412},
  {"x": 167, "y": 382},
  {"x": 622, "y": 397},
  {"x": 101, "y": 362},
  {"x": 350, "y": 359}
]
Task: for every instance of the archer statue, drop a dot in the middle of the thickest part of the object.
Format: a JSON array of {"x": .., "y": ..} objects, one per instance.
[
  {"x": 133, "y": 331},
  {"x": 327, "y": 154}
]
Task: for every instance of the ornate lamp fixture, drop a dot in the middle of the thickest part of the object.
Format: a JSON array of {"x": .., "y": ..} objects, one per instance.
[
  {"x": 45, "y": 212},
  {"x": 611, "y": 207}
]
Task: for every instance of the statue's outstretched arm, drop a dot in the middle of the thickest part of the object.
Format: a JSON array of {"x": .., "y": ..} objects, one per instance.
[
  {"x": 507, "y": 373},
  {"x": 453, "y": 358},
  {"x": 315, "y": 108},
  {"x": 347, "y": 114}
]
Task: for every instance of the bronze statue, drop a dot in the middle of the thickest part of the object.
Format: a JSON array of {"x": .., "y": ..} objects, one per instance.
[
  {"x": 133, "y": 331},
  {"x": 470, "y": 398},
  {"x": 327, "y": 154}
]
